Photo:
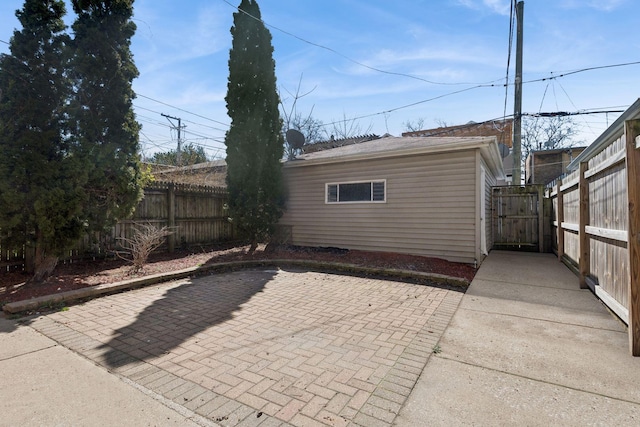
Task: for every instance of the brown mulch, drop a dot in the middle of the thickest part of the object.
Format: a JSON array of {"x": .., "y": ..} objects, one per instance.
[{"x": 81, "y": 274}]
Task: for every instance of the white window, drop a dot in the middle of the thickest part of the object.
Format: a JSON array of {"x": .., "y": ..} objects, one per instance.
[{"x": 357, "y": 192}]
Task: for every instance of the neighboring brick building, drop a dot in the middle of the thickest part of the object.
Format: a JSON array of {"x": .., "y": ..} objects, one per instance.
[
  {"x": 501, "y": 129},
  {"x": 544, "y": 166}
]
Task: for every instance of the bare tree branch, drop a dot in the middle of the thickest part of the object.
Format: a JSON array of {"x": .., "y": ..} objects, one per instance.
[
  {"x": 310, "y": 127},
  {"x": 348, "y": 128},
  {"x": 411, "y": 126},
  {"x": 146, "y": 238},
  {"x": 547, "y": 133}
]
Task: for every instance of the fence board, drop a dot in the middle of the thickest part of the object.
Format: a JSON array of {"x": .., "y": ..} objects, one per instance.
[
  {"x": 195, "y": 212},
  {"x": 516, "y": 217},
  {"x": 603, "y": 238},
  {"x": 632, "y": 137}
]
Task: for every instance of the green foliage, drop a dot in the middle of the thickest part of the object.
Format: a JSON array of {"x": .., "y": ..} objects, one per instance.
[
  {"x": 189, "y": 155},
  {"x": 68, "y": 137},
  {"x": 104, "y": 128},
  {"x": 254, "y": 141},
  {"x": 40, "y": 182}
]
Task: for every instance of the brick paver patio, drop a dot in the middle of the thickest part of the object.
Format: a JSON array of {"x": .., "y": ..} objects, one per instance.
[{"x": 267, "y": 347}]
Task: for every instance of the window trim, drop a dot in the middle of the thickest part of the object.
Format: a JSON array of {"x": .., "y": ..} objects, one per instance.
[{"x": 338, "y": 183}]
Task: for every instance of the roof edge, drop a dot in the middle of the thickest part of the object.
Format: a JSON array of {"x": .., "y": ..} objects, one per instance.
[
  {"x": 493, "y": 158},
  {"x": 477, "y": 142}
]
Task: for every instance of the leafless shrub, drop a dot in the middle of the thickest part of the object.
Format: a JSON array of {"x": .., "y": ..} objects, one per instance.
[{"x": 146, "y": 238}]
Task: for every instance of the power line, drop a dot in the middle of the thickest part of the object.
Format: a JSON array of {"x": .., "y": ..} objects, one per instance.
[
  {"x": 506, "y": 87},
  {"x": 478, "y": 87},
  {"x": 348, "y": 58},
  {"x": 575, "y": 113},
  {"x": 205, "y": 126},
  {"x": 165, "y": 125},
  {"x": 413, "y": 104},
  {"x": 572, "y": 103},
  {"x": 181, "y": 109},
  {"x": 582, "y": 70}
]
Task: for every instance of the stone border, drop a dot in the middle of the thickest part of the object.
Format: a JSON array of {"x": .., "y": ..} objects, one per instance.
[{"x": 111, "y": 288}]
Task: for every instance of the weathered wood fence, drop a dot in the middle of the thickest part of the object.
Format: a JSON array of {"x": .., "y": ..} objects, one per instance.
[
  {"x": 596, "y": 211},
  {"x": 195, "y": 214},
  {"x": 520, "y": 218}
]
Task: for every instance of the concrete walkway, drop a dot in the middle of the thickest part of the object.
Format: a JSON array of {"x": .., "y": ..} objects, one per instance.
[
  {"x": 528, "y": 347},
  {"x": 45, "y": 384}
]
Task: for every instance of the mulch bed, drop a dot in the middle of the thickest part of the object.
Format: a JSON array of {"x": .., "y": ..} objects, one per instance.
[{"x": 76, "y": 275}]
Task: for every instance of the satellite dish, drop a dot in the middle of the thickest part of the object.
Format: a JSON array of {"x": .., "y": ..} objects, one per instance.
[
  {"x": 295, "y": 138},
  {"x": 504, "y": 150}
]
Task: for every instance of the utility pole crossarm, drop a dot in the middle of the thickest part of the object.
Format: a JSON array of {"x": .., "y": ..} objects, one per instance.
[{"x": 179, "y": 128}]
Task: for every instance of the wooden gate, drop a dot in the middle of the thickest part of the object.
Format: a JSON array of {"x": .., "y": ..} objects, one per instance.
[{"x": 518, "y": 218}]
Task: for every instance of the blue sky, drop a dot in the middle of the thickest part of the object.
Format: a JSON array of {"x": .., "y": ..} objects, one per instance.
[{"x": 181, "y": 49}]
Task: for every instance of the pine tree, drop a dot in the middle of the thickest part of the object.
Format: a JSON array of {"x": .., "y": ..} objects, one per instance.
[
  {"x": 254, "y": 140},
  {"x": 103, "y": 123},
  {"x": 68, "y": 135},
  {"x": 40, "y": 180}
]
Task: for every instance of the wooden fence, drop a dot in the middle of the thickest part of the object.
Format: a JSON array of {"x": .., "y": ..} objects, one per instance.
[
  {"x": 519, "y": 218},
  {"x": 195, "y": 214},
  {"x": 597, "y": 226}
]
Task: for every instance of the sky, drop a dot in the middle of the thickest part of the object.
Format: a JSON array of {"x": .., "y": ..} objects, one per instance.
[{"x": 375, "y": 66}]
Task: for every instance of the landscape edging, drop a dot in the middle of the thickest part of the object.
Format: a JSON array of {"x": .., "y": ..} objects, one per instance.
[{"x": 110, "y": 288}]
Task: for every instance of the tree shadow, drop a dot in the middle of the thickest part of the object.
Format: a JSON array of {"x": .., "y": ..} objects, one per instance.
[
  {"x": 183, "y": 312},
  {"x": 9, "y": 325}
]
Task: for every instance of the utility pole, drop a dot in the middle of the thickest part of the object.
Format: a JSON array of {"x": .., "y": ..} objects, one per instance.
[
  {"x": 179, "y": 128},
  {"x": 517, "y": 107}
]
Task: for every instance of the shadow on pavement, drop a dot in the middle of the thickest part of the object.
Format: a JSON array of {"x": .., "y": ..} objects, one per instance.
[
  {"x": 183, "y": 312},
  {"x": 7, "y": 325}
]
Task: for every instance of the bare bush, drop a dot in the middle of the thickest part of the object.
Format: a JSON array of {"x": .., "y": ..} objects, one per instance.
[{"x": 146, "y": 238}]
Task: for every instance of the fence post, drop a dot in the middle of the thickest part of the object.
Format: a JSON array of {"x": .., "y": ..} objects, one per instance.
[
  {"x": 171, "y": 217},
  {"x": 585, "y": 256},
  {"x": 540, "y": 219},
  {"x": 632, "y": 131},
  {"x": 560, "y": 219}
]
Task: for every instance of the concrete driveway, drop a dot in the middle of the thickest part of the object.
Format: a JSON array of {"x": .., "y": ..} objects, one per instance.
[
  {"x": 527, "y": 346},
  {"x": 263, "y": 347}
]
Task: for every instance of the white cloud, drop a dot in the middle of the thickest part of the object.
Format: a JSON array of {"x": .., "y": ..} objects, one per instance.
[
  {"x": 500, "y": 7},
  {"x": 601, "y": 5},
  {"x": 200, "y": 94},
  {"x": 164, "y": 41}
]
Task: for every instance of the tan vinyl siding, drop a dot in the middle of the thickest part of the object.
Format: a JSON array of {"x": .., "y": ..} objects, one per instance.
[
  {"x": 430, "y": 206},
  {"x": 491, "y": 182}
]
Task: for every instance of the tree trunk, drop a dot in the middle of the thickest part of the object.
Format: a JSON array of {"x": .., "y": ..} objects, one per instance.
[
  {"x": 44, "y": 265},
  {"x": 253, "y": 247}
]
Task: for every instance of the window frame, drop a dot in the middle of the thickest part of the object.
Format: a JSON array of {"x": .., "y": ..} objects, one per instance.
[{"x": 338, "y": 183}]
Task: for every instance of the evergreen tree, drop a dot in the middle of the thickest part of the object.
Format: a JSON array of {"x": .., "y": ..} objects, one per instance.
[
  {"x": 68, "y": 136},
  {"x": 40, "y": 180},
  {"x": 101, "y": 114},
  {"x": 254, "y": 140}
]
